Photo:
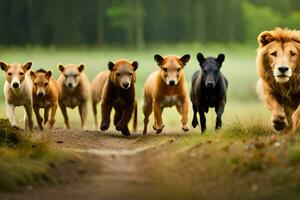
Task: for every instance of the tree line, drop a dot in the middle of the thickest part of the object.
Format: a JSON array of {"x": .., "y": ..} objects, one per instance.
[{"x": 140, "y": 22}]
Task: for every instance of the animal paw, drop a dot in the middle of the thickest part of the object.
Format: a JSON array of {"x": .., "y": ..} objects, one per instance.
[
  {"x": 279, "y": 122},
  {"x": 185, "y": 128},
  {"x": 159, "y": 130},
  {"x": 126, "y": 132},
  {"x": 194, "y": 123},
  {"x": 104, "y": 127}
]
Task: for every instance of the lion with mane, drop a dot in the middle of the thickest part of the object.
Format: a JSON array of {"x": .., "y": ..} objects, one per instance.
[{"x": 278, "y": 66}]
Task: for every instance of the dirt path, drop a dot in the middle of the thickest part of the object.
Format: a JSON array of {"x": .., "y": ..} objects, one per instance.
[{"x": 114, "y": 167}]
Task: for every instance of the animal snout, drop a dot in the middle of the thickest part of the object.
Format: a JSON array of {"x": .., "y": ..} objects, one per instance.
[
  {"x": 125, "y": 85},
  {"x": 70, "y": 85},
  {"x": 16, "y": 85},
  {"x": 172, "y": 83},
  {"x": 283, "y": 69},
  {"x": 210, "y": 84},
  {"x": 41, "y": 94}
]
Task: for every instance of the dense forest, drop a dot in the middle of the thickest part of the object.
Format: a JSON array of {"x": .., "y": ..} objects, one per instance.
[{"x": 140, "y": 22}]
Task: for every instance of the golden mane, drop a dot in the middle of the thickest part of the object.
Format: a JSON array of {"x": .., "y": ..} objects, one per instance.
[{"x": 265, "y": 39}]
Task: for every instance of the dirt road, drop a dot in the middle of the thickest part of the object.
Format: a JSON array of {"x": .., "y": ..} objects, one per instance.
[{"x": 107, "y": 166}]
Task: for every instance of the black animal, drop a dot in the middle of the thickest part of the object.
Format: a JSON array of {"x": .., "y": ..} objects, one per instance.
[{"x": 209, "y": 88}]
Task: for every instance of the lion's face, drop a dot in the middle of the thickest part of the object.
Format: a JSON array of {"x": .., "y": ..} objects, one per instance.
[
  {"x": 283, "y": 58},
  {"x": 279, "y": 54}
]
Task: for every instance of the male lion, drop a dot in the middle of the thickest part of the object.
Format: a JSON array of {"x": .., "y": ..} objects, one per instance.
[{"x": 278, "y": 65}]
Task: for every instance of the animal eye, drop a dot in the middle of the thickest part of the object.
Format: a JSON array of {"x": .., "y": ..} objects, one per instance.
[
  {"x": 204, "y": 71},
  {"x": 46, "y": 84},
  {"x": 75, "y": 75},
  {"x": 9, "y": 73},
  {"x": 130, "y": 74},
  {"x": 165, "y": 69},
  {"x": 178, "y": 69},
  {"x": 35, "y": 84},
  {"x": 118, "y": 74},
  {"x": 274, "y": 53},
  {"x": 21, "y": 73},
  {"x": 293, "y": 53},
  {"x": 66, "y": 76}
]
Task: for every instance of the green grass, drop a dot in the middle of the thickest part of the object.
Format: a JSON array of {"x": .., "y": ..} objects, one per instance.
[{"x": 24, "y": 161}]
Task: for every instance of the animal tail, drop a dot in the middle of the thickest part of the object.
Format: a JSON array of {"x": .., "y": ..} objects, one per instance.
[{"x": 135, "y": 117}]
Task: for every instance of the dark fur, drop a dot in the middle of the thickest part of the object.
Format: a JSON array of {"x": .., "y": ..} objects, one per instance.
[
  {"x": 123, "y": 101},
  {"x": 204, "y": 97}
]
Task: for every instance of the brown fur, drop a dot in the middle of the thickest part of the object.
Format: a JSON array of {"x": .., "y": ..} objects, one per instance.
[
  {"x": 160, "y": 93},
  {"x": 74, "y": 91},
  {"x": 280, "y": 48},
  {"x": 45, "y": 94},
  {"x": 107, "y": 88},
  {"x": 17, "y": 92}
]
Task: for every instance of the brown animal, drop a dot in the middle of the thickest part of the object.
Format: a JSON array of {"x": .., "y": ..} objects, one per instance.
[
  {"x": 74, "y": 91},
  {"x": 278, "y": 65},
  {"x": 115, "y": 89},
  {"x": 166, "y": 87},
  {"x": 44, "y": 95},
  {"x": 17, "y": 92}
]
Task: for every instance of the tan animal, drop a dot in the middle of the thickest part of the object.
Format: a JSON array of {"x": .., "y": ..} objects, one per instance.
[
  {"x": 74, "y": 91},
  {"x": 44, "y": 95},
  {"x": 115, "y": 89},
  {"x": 278, "y": 66},
  {"x": 17, "y": 92},
  {"x": 166, "y": 87}
]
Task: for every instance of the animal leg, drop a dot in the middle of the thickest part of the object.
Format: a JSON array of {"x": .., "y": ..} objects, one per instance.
[
  {"x": 126, "y": 116},
  {"x": 52, "y": 116},
  {"x": 125, "y": 131},
  {"x": 147, "y": 110},
  {"x": 105, "y": 114},
  {"x": 202, "y": 121},
  {"x": 94, "y": 105},
  {"x": 28, "y": 110},
  {"x": 195, "y": 120},
  {"x": 10, "y": 110},
  {"x": 296, "y": 120},
  {"x": 279, "y": 118},
  {"x": 185, "y": 113},
  {"x": 83, "y": 114},
  {"x": 63, "y": 109},
  {"x": 158, "y": 117},
  {"x": 118, "y": 116},
  {"x": 219, "y": 111},
  {"x": 46, "y": 115},
  {"x": 39, "y": 119}
]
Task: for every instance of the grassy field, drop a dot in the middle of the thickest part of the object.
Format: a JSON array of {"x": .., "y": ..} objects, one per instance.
[{"x": 239, "y": 68}]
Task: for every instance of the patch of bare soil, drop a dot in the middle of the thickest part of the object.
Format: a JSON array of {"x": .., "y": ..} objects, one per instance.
[{"x": 106, "y": 166}]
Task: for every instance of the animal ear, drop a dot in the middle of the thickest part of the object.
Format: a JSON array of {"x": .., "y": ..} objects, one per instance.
[
  {"x": 265, "y": 38},
  {"x": 27, "y": 66},
  {"x": 185, "y": 59},
  {"x": 61, "y": 68},
  {"x": 135, "y": 65},
  {"x": 158, "y": 59},
  {"x": 32, "y": 75},
  {"x": 200, "y": 58},
  {"x": 80, "y": 67},
  {"x": 110, "y": 66},
  {"x": 221, "y": 58},
  {"x": 3, "y": 65},
  {"x": 48, "y": 74}
]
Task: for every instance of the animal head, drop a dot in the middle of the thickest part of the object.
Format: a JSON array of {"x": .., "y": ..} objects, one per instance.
[
  {"x": 40, "y": 79},
  {"x": 123, "y": 72},
  {"x": 171, "y": 67},
  {"x": 15, "y": 73},
  {"x": 278, "y": 54},
  {"x": 71, "y": 74},
  {"x": 211, "y": 68}
]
